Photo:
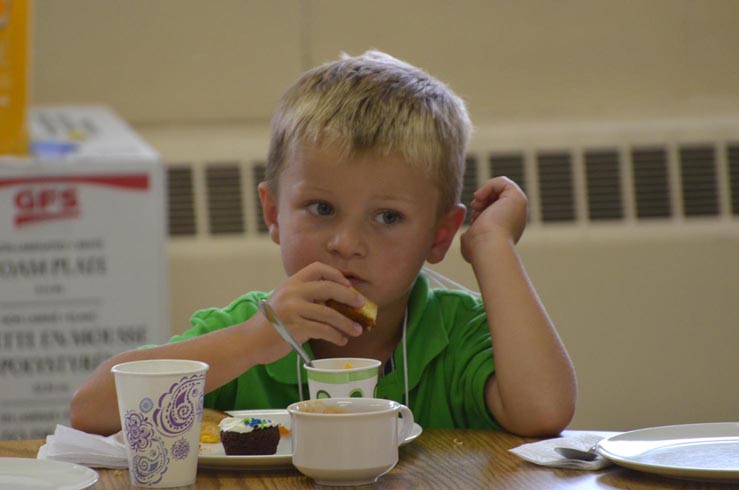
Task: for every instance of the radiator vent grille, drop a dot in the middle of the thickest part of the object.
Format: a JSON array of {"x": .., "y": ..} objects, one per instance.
[
  {"x": 603, "y": 184},
  {"x": 606, "y": 184},
  {"x": 508, "y": 165},
  {"x": 225, "y": 208},
  {"x": 180, "y": 199},
  {"x": 556, "y": 187},
  {"x": 651, "y": 183},
  {"x": 733, "y": 161},
  {"x": 469, "y": 184},
  {"x": 698, "y": 176}
]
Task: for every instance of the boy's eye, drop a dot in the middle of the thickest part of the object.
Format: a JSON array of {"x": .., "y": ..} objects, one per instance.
[
  {"x": 388, "y": 217},
  {"x": 321, "y": 208}
]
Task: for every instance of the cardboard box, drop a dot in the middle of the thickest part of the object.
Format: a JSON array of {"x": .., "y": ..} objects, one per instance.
[{"x": 82, "y": 260}]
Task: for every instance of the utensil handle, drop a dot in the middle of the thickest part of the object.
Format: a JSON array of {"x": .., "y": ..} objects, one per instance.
[{"x": 281, "y": 329}]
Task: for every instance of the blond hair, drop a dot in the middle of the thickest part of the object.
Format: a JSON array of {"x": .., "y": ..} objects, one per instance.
[{"x": 375, "y": 105}]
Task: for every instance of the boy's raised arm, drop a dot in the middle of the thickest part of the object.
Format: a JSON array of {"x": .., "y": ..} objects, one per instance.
[
  {"x": 534, "y": 388},
  {"x": 233, "y": 350}
]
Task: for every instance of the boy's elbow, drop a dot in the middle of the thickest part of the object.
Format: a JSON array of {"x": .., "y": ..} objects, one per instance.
[
  {"x": 543, "y": 423},
  {"x": 551, "y": 415},
  {"x": 77, "y": 422},
  {"x": 77, "y": 418},
  {"x": 84, "y": 416},
  {"x": 549, "y": 426},
  {"x": 539, "y": 428}
]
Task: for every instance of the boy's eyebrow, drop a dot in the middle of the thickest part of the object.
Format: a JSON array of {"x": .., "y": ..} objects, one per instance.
[
  {"x": 302, "y": 186},
  {"x": 310, "y": 187},
  {"x": 392, "y": 197}
]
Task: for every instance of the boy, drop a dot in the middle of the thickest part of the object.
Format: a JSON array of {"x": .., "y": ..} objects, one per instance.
[{"x": 363, "y": 183}]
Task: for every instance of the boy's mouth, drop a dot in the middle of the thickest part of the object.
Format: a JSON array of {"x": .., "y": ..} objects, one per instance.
[{"x": 353, "y": 279}]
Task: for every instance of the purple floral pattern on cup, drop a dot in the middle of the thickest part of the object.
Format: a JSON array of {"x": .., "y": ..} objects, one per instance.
[
  {"x": 156, "y": 431},
  {"x": 138, "y": 431},
  {"x": 180, "y": 449},
  {"x": 178, "y": 407},
  {"x": 148, "y": 467},
  {"x": 146, "y": 405}
]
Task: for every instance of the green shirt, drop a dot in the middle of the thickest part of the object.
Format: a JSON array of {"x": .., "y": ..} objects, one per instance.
[{"x": 449, "y": 361}]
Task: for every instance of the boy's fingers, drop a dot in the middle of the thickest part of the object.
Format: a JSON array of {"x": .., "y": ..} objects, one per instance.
[
  {"x": 332, "y": 318},
  {"x": 318, "y": 271},
  {"x": 494, "y": 187},
  {"x": 318, "y": 330},
  {"x": 325, "y": 290}
]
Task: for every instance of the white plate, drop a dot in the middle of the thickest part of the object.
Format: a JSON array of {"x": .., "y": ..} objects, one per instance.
[
  {"x": 415, "y": 432},
  {"x": 213, "y": 455},
  {"x": 695, "y": 451},
  {"x": 20, "y": 473}
]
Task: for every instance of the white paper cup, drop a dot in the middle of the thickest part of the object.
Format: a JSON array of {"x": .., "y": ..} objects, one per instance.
[
  {"x": 160, "y": 403},
  {"x": 347, "y": 441},
  {"x": 342, "y": 377}
]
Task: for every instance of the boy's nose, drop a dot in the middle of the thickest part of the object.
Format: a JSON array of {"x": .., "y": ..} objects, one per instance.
[{"x": 347, "y": 242}]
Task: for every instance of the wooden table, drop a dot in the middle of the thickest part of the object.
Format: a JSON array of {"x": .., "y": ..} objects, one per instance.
[{"x": 439, "y": 459}]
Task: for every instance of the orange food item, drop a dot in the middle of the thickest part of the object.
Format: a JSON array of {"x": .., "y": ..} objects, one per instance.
[
  {"x": 210, "y": 433},
  {"x": 318, "y": 406}
]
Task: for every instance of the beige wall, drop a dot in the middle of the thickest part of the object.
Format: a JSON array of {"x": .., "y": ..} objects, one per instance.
[{"x": 193, "y": 61}]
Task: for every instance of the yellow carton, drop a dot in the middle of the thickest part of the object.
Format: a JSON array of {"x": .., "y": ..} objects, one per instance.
[{"x": 14, "y": 39}]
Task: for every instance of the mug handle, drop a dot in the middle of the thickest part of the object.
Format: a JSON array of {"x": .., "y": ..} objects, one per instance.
[{"x": 407, "y": 424}]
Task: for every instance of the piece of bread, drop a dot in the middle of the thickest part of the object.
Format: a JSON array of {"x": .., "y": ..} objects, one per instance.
[
  {"x": 210, "y": 433},
  {"x": 365, "y": 316}
]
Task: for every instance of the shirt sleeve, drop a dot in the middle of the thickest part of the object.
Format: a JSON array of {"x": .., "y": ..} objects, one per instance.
[
  {"x": 471, "y": 346},
  {"x": 213, "y": 319}
]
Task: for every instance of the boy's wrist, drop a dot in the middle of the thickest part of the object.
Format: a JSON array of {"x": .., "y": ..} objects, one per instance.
[
  {"x": 483, "y": 245},
  {"x": 259, "y": 339}
]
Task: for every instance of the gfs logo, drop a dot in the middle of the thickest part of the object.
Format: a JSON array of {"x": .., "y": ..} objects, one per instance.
[
  {"x": 45, "y": 203},
  {"x": 53, "y": 198}
]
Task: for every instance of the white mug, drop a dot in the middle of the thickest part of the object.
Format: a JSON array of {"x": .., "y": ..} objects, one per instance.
[{"x": 348, "y": 441}]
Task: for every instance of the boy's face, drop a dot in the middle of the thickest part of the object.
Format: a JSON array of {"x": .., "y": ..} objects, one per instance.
[{"x": 373, "y": 219}]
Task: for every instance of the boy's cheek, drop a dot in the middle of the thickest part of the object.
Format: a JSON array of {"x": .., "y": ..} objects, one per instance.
[{"x": 296, "y": 255}]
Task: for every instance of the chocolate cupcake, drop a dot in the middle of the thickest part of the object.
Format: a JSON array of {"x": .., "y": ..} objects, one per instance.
[{"x": 249, "y": 436}]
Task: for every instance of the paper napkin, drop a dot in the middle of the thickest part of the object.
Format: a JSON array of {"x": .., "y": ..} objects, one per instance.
[
  {"x": 543, "y": 453},
  {"x": 74, "y": 446}
]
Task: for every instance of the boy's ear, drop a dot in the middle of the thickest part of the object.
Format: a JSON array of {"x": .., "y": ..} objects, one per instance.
[
  {"x": 269, "y": 210},
  {"x": 446, "y": 228}
]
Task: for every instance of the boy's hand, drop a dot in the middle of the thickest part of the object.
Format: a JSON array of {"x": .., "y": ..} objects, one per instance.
[
  {"x": 498, "y": 207},
  {"x": 299, "y": 303}
]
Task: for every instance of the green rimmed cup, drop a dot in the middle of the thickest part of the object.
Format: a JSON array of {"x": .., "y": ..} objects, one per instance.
[{"x": 343, "y": 377}]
